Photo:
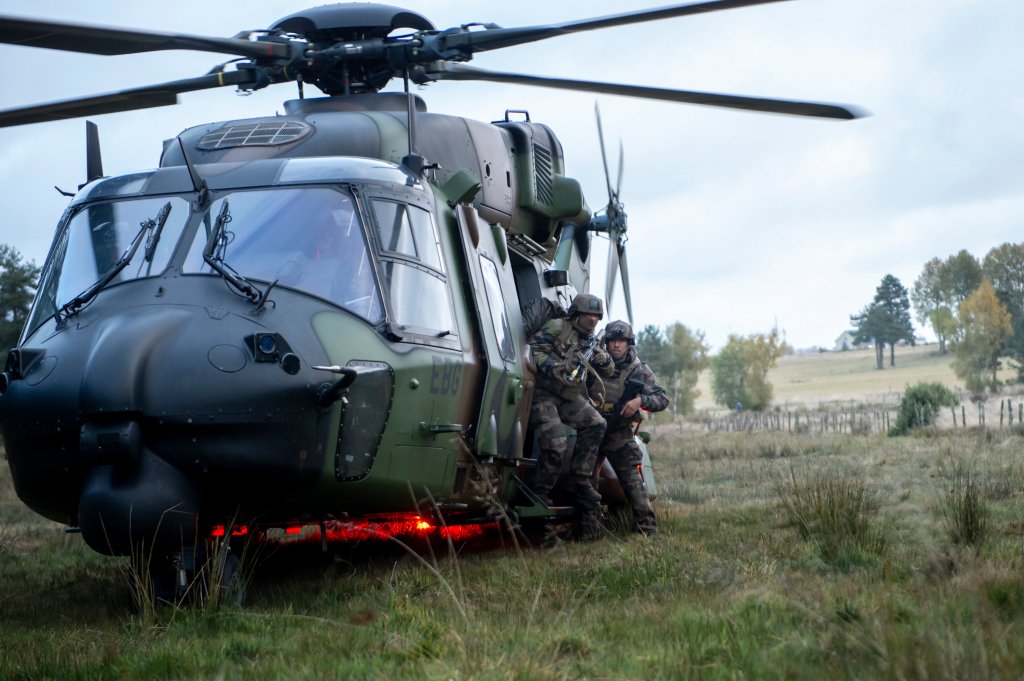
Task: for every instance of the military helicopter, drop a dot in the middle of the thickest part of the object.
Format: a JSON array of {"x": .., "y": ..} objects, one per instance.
[{"x": 314, "y": 321}]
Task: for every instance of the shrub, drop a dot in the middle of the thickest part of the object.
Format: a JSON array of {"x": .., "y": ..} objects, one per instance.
[{"x": 920, "y": 406}]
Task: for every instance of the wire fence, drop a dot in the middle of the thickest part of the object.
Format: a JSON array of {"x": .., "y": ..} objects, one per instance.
[{"x": 863, "y": 420}]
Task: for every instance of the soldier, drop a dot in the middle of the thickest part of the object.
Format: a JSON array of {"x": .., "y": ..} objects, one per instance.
[
  {"x": 565, "y": 351},
  {"x": 631, "y": 387}
]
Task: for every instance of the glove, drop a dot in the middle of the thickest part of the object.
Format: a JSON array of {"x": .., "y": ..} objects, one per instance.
[{"x": 601, "y": 359}]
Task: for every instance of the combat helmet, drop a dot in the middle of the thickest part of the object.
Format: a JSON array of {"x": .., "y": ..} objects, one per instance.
[
  {"x": 619, "y": 330},
  {"x": 586, "y": 303}
]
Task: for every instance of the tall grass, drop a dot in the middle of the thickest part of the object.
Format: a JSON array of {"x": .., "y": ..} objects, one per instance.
[
  {"x": 834, "y": 513},
  {"x": 965, "y": 513},
  {"x": 779, "y": 556}
]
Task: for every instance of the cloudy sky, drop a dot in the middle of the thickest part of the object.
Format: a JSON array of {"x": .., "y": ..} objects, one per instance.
[{"x": 738, "y": 221}]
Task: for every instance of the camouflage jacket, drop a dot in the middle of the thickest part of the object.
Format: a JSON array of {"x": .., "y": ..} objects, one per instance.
[
  {"x": 557, "y": 352},
  {"x": 630, "y": 368}
]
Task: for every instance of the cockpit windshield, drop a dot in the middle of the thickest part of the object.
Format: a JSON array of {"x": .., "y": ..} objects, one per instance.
[
  {"x": 309, "y": 238},
  {"x": 99, "y": 238}
]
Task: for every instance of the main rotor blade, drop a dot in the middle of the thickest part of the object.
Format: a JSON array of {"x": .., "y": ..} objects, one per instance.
[
  {"x": 126, "y": 100},
  {"x": 456, "y": 71},
  {"x": 112, "y": 41},
  {"x": 625, "y": 286},
  {"x": 495, "y": 38},
  {"x": 604, "y": 158}
]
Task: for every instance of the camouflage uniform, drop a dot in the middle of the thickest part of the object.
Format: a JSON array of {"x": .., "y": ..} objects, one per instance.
[
  {"x": 560, "y": 401},
  {"x": 619, "y": 445}
]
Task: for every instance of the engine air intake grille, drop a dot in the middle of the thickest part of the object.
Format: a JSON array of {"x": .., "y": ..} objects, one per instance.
[{"x": 254, "y": 134}]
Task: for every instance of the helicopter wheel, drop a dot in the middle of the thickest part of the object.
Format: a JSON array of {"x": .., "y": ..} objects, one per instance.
[{"x": 228, "y": 576}]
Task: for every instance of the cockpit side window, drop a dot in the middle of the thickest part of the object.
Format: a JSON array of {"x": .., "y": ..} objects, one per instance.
[
  {"x": 412, "y": 270},
  {"x": 407, "y": 230}
]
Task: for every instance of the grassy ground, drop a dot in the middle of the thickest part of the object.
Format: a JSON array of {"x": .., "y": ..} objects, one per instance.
[
  {"x": 748, "y": 579},
  {"x": 781, "y": 557}
]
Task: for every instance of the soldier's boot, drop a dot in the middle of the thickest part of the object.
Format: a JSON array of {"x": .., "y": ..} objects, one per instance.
[
  {"x": 644, "y": 522},
  {"x": 586, "y": 526},
  {"x": 587, "y": 523},
  {"x": 545, "y": 474}
]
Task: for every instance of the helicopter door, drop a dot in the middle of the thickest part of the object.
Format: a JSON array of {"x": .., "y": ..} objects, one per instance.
[{"x": 499, "y": 429}]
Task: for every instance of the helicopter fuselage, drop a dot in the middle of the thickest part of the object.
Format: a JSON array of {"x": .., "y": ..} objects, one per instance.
[{"x": 200, "y": 383}]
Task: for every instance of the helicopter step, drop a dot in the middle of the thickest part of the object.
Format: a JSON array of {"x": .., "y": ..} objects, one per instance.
[{"x": 536, "y": 506}]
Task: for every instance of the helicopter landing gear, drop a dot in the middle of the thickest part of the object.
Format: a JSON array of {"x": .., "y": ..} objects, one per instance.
[{"x": 208, "y": 577}]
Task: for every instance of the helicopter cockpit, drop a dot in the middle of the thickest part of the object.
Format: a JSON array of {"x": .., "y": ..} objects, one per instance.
[{"x": 287, "y": 223}]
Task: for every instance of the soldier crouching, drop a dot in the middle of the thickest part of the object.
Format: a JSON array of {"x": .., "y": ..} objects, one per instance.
[
  {"x": 565, "y": 351},
  {"x": 631, "y": 387}
]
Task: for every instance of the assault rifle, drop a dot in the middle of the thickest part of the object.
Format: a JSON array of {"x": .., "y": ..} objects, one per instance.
[{"x": 583, "y": 358}]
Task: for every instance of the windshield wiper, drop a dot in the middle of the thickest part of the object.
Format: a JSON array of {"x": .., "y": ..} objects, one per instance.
[
  {"x": 154, "y": 236},
  {"x": 214, "y": 257},
  {"x": 75, "y": 305}
]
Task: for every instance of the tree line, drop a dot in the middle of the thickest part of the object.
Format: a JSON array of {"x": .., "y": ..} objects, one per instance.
[
  {"x": 17, "y": 287},
  {"x": 974, "y": 307},
  {"x": 739, "y": 372}
]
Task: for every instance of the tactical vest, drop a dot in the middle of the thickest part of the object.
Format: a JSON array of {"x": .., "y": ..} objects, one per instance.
[
  {"x": 563, "y": 341},
  {"x": 564, "y": 345},
  {"x": 615, "y": 386}
]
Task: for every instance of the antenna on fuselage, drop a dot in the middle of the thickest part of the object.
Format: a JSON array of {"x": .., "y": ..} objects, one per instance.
[
  {"x": 198, "y": 182},
  {"x": 93, "y": 159},
  {"x": 413, "y": 162}
]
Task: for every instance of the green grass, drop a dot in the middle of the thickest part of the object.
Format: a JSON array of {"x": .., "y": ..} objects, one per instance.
[{"x": 731, "y": 587}]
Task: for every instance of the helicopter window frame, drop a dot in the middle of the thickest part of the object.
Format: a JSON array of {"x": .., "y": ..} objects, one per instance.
[
  {"x": 59, "y": 282},
  {"x": 403, "y": 296},
  {"x": 496, "y": 308}
]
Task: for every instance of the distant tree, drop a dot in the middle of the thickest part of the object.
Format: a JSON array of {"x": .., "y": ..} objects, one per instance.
[
  {"x": 653, "y": 349},
  {"x": 869, "y": 327},
  {"x": 893, "y": 298},
  {"x": 961, "y": 275},
  {"x": 739, "y": 372},
  {"x": 1004, "y": 267},
  {"x": 986, "y": 325},
  {"x": 944, "y": 323},
  {"x": 729, "y": 375},
  {"x": 677, "y": 357},
  {"x": 930, "y": 300},
  {"x": 690, "y": 353},
  {"x": 17, "y": 286},
  {"x": 886, "y": 321}
]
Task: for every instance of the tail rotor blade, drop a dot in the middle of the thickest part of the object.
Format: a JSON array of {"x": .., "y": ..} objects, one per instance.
[
  {"x": 625, "y": 285},
  {"x": 622, "y": 161},
  {"x": 612, "y": 271},
  {"x": 604, "y": 157}
]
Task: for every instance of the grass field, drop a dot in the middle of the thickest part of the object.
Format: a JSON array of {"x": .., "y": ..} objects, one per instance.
[
  {"x": 781, "y": 556},
  {"x": 845, "y": 377}
]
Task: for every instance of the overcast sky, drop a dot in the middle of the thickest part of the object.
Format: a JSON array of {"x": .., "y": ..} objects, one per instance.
[{"x": 738, "y": 221}]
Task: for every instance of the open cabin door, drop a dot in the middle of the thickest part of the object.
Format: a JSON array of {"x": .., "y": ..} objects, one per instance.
[{"x": 503, "y": 412}]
